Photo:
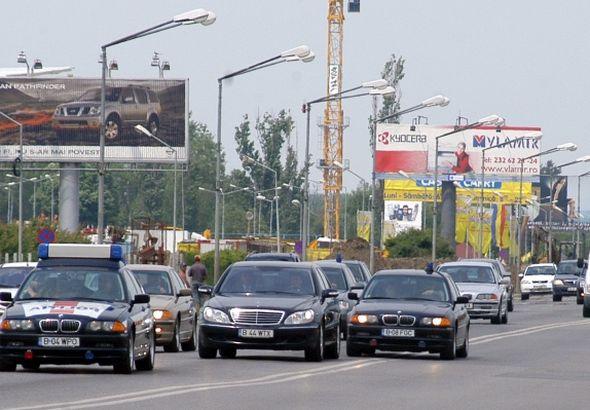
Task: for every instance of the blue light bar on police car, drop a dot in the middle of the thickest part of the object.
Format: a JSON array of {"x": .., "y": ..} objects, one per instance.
[{"x": 76, "y": 250}]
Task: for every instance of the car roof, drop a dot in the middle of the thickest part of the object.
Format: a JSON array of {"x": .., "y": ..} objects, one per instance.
[
  {"x": 343, "y": 261},
  {"x": 286, "y": 264},
  {"x": 146, "y": 266},
  {"x": 19, "y": 265},
  {"x": 331, "y": 264},
  {"x": 541, "y": 264},
  {"x": 468, "y": 263},
  {"x": 402, "y": 272}
]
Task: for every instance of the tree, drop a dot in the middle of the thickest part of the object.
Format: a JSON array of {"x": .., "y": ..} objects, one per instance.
[
  {"x": 416, "y": 243},
  {"x": 549, "y": 168}
]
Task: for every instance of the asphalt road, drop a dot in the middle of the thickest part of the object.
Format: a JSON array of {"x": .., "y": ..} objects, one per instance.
[{"x": 537, "y": 361}]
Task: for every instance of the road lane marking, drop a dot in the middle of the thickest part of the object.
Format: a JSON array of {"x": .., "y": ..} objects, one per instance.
[
  {"x": 182, "y": 389},
  {"x": 525, "y": 331}
]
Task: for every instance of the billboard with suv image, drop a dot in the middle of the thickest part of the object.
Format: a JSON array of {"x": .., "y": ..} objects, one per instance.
[{"x": 61, "y": 119}]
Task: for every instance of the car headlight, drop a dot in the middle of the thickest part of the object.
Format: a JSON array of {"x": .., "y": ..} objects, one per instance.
[
  {"x": 435, "y": 321},
  {"x": 162, "y": 314},
  {"x": 57, "y": 111},
  {"x": 343, "y": 304},
  {"x": 106, "y": 326},
  {"x": 361, "y": 319},
  {"x": 582, "y": 284},
  {"x": 300, "y": 318},
  {"x": 558, "y": 282},
  {"x": 94, "y": 110},
  {"x": 525, "y": 282},
  {"x": 215, "y": 315},
  {"x": 17, "y": 325},
  {"x": 487, "y": 296}
]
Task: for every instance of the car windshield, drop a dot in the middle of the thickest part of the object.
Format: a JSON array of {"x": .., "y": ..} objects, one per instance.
[
  {"x": 540, "y": 270},
  {"x": 470, "y": 274},
  {"x": 154, "y": 282},
  {"x": 12, "y": 277},
  {"x": 73, "y": 282},
  {"x": 270, "y": 257},
  {"x": 568, "y": 268},
  {"x": 409, "y": 287},
  {"x": 268, "y": 279},
  {"x": 357, "y": 271},
  {"x": 336, "y": 278},
  {"x": 112, "y": 94}
]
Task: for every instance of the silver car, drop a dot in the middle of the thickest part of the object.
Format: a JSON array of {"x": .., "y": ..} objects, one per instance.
[{"x": 487, "y": 293}]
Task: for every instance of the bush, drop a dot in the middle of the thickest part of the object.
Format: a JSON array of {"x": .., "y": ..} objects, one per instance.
[
  {"x": 228, "y": 256},
  {"x": 415, "y": 243}
]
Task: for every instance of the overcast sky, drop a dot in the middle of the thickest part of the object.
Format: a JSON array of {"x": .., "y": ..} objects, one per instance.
[{"x": 526, "y": 60}]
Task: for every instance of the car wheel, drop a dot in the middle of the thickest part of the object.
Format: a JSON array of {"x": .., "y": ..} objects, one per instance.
[
  {"x": 524, "y": 296},
  {"x": 147, "y": 363},
  {"x": 463, "y": 351},
  {"x": 505, "y": 318},
  {"x": 556, "y": 298},
  {"x": 153, "y": 125},
  {"x": 315, "y": 353},
  {"x": 127, "y": 365},
  {"x": 7, "y": 365},
  {"x": 174, "y": 345},
  {"x": 353, "y": 351},
  {"x": 579, "y": 300},
  {"x": 511, "y": 304},
  {"x": 451, "y": 351},
  {"x": 204, "y": 351},
  {"x": 585, "y": 313},
  {"x": 333, "y": 351},
  {"x": 112, "y": 128},
  {"x": 31, "y": 365},
  {"x": 228, "y": 352},
  {"x": 496, "y": 320},
  {"x": 191, "y": 344}
]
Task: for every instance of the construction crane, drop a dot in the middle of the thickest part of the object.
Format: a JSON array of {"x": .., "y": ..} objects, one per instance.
[{"x": 334, "y": 118}]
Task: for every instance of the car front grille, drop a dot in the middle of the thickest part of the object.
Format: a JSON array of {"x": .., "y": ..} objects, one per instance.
[
  {"x": 389, "y": 320},
  {"x": 54, "y": 325},
  {"x": 405, "y": 320},
  {"x": 401, "y": 320},
  {"x": 49, "y": 325},
  {"x": 540, "y": 281},
  {"x": 256, "y": 316},
  {"x": 70, "y": 326},
  {"x": 72, "y": 110}
]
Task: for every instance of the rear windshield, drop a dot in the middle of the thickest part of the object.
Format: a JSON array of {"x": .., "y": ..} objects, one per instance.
[
  {"x": 336, "y": 278},
  {"x": 568, "y": 268},
  {"x": 12, "y": 277},
  {"x": 357, "y": 271},
  {"x": 469, "y": 274}
]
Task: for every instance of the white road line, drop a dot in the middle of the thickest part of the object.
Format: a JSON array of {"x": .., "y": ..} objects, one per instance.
[
  {"x": 181, "y": 389},
  {"x": 528, "y": 329},
  {"x": 506, "y": 336}
]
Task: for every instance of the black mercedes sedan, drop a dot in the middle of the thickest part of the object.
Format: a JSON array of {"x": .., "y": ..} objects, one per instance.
[
  {"x": 409, "y": 310},
  {"x": 271, "y": 306},
  {"x": 565, "y": 280},
  {"x": 79, "y": 306}
]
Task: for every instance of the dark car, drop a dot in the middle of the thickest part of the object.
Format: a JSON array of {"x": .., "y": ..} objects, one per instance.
[
  {"x": 172, "y": 306},
  {"x": 565, "y": 280},
  {"x": 502, "y": 274},
  {"x": 79, "y": 306},
  {"x": 358, "y": 268},
  {"x": 271, "y": 306},
  {"x": 271, "y": 256},
  {"x": 409, "y": 310},
  {"x": 581, "y": 285},
  {"x": 341, "y": 278}
]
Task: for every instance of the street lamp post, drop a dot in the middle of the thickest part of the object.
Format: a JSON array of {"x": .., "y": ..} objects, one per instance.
[
  {"x": 578, "y": 248},
  {"x": 300, "y": 53},
  {"x": 197, "y": 16},
  {"x": 360, "y": 178},
  {"x": 223, "y": 195},
  {"x": 297, "y": 203},
  {"x": 436, "y": 101}
]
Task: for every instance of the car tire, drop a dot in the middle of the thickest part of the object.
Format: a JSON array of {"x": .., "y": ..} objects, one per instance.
[
  {"x": 315, "y": 353},
  {"x": 511, "y": 304},
  {"x": 191, "y": 344},
  {"x": 112, "y": 127},
  {"x": 148, "y": 362},
  {"x": 450, "y": 351},
  {"x": 174, "y": 345},
  {"x": 353, "y": 351},
  {"x": 333, "y": 351},
  {"x": 31, "y": 365},
  {"x": 204, "y": 351},
  {"x": 127, "y": 365},
  {"x": 463, "y": 351},
  {"x": 496, "y": 320},
  {"x": 557, "y": 298},
  {"x": 585, "y": 313},
  {"x": 579, "y": 301},
  {"x": 505, "y": 318},
  {"x": 7, "y": 365},
  {"x": 153, "y": 124},
  {"x": 228, "y": 352},
  {"x": 524, "y": 296}
]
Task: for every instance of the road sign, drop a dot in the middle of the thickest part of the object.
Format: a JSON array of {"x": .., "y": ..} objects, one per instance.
[{"x": 45, "y": 235}]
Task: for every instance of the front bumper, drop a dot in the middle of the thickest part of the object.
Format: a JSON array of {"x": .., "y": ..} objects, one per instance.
[
  {"x": 534, "y": 288},
  {"x": 102, "y": 349},
  {"x": 566, "y": 290},
  {"x": 285, "y": 337},
  {"x": 164, "y": 331},
  {"x": 62, "y": 123},
  {"x": 483, "y": 309},
  {"x": 425, "y": 339}
]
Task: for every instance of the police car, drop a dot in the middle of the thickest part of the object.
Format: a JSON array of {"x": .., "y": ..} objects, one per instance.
[{"x": 81, "y": 305}]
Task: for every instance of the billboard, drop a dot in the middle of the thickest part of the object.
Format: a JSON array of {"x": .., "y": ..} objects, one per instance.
[
  {"x": 401, "y": 216},
  {"x": 61, "y": 119},
  {"x": 554, "y": 189},
  {"x": 401, "y": 147}
]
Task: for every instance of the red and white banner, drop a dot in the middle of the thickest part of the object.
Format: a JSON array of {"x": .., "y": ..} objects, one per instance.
[{"x": 401, "y": 147}]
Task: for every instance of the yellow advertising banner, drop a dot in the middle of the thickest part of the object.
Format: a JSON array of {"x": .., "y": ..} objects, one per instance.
[{"x": 363, "y": 224}]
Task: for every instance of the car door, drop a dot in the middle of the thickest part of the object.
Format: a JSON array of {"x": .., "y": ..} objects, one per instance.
[
  {"x": 141, "y": 105},
  {"x": 459, "y": 309},
  {"x": 184, "y": 305},
  {"x": 140, "y": 314},
  {"x": 128, "y": 107},
  {"x": 330, "y": 307}
]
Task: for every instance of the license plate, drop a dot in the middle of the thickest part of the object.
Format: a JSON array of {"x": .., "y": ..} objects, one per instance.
[
  {"x": 59, "y": 341},
  {"x": 469, "y": 305},
  {"x": 398, "y": 332},
  {"x": 571, "y": 289},
  {"x": 256, "y": 333}
]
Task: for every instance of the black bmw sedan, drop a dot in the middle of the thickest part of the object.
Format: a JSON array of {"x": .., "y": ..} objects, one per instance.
[
  {"x": 271, "y": 306},
  {"x": 409, "y": 310}
]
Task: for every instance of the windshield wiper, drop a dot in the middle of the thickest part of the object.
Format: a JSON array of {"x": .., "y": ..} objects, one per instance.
[
  {"x": 380, "y": 297},
  {"x": 8, "y": 285},
  {"x": 430, "y": 300},
  {"x": 39, "y": 298},
  {"x": 279, "y": 292}
]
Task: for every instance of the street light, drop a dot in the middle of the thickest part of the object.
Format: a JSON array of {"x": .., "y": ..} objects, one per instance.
[
  {"x": 298, "y": 204},
  {"x": 489, "y": 120},
  {"x": 436, "y": 101},
  {"x": 162, "y": 65},
  {"x": 380, "y": 87},
  {"x": 585, "y": 174},
  {"x": 142, "y": 130},
  {"x": 196, "y": 16},
  {"x": 360, "y": 178},
  {"x": 301, "y": 53},
  {"x": 223, "y": 195}
]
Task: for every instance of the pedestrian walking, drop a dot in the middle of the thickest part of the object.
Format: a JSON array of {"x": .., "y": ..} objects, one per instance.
[
  {"x": 197, "y": 273},
  {"x": 182, "y": 274}
]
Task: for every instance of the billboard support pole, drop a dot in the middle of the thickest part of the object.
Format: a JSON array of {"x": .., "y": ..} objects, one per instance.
[
  {"x": 101, "y": 166},
  {"x": 218, "y": 184}
]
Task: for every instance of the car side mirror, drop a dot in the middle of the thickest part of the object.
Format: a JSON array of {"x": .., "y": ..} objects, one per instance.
[
  {"x": 184, "y": 293},
  {"x": 521, "y": 275},
  {"x": 461, "y": 300},
  {"x": 508, "y": 275},
  {"x": 5, "y": 297},
  {"x": 505, "y": 281},
  {"x": 353, "y": 296},
  {"x": 358, "y": 286},
  {"x": 141, "y": 299},
  {"x": 581, "y": 263},
  {"x": 205, "y": 290},
  {"x": 329, "y": 293}
]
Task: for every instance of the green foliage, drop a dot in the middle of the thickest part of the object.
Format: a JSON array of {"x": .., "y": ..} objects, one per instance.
[
  {"x": 549, "y": 168},
  {"x": 228, "y": 256},
  {"x": 415, "y": 243}
]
